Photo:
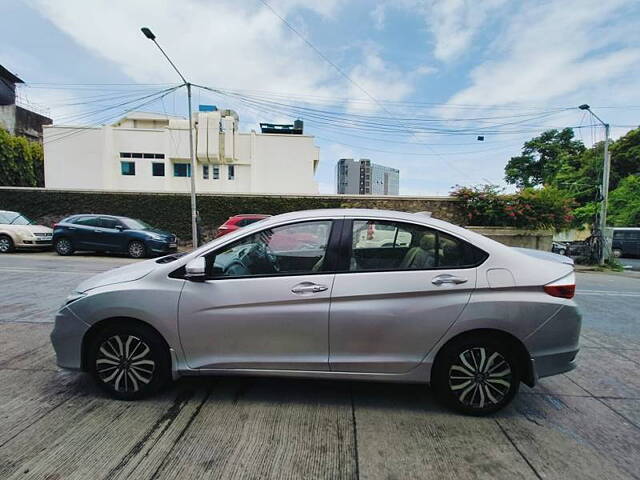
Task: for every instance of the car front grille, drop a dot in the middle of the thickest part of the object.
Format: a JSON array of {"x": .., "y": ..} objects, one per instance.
[{"x": 42, "y": 234}]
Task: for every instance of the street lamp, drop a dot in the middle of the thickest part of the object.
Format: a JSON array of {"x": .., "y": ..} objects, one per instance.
[
  {"x": 605, "y": 183},
  {"x": 194, "y": 223}
]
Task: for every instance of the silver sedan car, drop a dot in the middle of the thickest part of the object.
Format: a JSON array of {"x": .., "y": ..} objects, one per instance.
[{"x": 346, "y": 294}]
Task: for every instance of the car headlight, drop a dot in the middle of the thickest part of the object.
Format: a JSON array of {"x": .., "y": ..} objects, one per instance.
[
  {"x": 73, "y": 297},
  {"x": 155, "y": 236}
]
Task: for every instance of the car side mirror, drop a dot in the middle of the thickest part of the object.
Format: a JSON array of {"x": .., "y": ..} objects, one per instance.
[
  {"x": 195, "y": 270},
  {"x": 119, "y": 227}
]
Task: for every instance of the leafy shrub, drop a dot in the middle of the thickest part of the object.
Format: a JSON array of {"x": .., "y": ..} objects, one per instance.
[
  {"x": 21, "y": 161},
  {"x": 530, "y": 208}
]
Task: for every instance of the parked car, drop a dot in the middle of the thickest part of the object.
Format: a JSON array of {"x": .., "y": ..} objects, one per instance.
[
  {"x": 109, "y": 233},
  {"x": 17, "y": 231},
  {"x": 238, "y": 221},
  {"x": 626, "y": 242},
  {"x": 452, "y": 308}
]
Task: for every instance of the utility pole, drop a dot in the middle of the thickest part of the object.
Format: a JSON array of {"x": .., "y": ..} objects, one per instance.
[
  {"x": 606, "y": 169},
  {"x": 194, "y": 211}
]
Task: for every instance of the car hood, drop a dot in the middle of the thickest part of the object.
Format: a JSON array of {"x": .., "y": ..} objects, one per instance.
[
  {"x": 157, "y": 231},
  {"x": 128, "y": 273},
  {"x": 543, "y": 255},
  {"x": 30, "y": 228}
]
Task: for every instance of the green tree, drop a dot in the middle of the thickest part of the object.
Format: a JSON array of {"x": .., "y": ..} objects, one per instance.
[
  {"x": 543, "y": 157},
  {"x": 625, "y": 157},
  {"x": 624, "y": 203},
  {"x": 21, "y": 161}
]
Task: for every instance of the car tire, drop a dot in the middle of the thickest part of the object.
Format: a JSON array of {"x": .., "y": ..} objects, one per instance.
[
  {"x": 476, "y": 375},
  {"x": 64, "y": 246},
  {"x": 562, "y": 251},
  {"x": 137, "y": 249},
  {"x": 617, "y": 252},
  {"x": 129, "y": 362},
  {"x": 6, "y": 244}
]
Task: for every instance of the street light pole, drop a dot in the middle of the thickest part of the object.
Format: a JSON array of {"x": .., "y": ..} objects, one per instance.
[
  {"x": 606, "y": 169},
  {"x": 194, "y": 211}
]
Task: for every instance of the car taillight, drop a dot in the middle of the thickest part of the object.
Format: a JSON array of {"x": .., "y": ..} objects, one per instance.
[
  {"x": 562, "y": 288},
  {"x": 54, "y": 225}
]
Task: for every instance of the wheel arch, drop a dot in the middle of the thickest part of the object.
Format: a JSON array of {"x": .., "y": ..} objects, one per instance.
[
  {"x": 99, "y": 326},
  {"x": 524, "y": 359}
]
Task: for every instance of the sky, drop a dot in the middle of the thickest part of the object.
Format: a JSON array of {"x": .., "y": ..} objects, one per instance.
[{"x": 406, "y": 83}]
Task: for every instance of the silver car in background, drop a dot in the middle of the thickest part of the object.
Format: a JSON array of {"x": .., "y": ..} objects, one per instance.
[{"x": 315, "y": 294}]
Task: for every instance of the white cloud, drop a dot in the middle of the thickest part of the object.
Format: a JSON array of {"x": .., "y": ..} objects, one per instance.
[
  {"x": 553, "y": 50},
  {"x": 454, "y": 24}
]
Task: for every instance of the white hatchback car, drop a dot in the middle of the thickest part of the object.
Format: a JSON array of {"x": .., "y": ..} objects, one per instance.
[{"x": 17, "y": 231}]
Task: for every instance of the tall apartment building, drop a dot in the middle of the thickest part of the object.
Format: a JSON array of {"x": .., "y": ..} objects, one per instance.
[
  {"x": 361, "y": 177},
  {"x": 149, "y": 152}
]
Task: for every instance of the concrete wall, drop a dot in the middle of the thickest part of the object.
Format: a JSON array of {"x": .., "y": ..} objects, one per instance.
[{"x": 517, "y": 237}]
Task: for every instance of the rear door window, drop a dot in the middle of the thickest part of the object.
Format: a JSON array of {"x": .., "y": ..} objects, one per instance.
[
  {"x": 88, "y": 221},
  {"x": 384, "y": 245}
]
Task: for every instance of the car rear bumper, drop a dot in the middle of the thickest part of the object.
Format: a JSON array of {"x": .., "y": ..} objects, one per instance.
[
  {"x": 66, "y": 339},
  {"x": 554, "y": 345}
]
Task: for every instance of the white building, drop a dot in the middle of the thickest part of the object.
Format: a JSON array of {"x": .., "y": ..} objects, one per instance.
[{"x": 150, "y": 152}]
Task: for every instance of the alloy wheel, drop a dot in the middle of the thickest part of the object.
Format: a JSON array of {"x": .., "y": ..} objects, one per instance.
[
  {"x": 136, "y": 249},
  {"x": 480, "y": 377},
  {"x": 63, "y": 246},
  {"x": 5, "y": 245},
  {"x": 124, "y": 362}
]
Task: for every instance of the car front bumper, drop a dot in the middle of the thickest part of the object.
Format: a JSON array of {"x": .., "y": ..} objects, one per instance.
[
  {"x": 157, "y": 246},
  {"x": 33, "y": 243},
  {"x": 66, "y": 338}
]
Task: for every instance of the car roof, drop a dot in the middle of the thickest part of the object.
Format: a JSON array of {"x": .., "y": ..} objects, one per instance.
[
  {"x": 98, "y": 215},
  {"x": 250, "y": 215},
  {"x": 9, "y": 211}
]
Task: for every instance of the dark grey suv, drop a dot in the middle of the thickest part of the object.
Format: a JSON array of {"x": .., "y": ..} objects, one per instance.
[{"x": 108, "y": 233}]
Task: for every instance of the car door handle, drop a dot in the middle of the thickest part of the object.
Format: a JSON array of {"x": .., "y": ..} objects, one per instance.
[
  {"x": 449, "y": 279},
  {"x": 308, "y": 287}
]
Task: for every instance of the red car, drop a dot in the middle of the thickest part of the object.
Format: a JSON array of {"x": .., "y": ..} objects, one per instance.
[{"x": 238, "y": 221}]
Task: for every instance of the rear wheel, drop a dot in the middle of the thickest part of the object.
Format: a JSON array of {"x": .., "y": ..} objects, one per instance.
[
  {"x": 476, "y": 376},
  {"x": 617, "y": 252},
  {"x": 129, "y": 362},
  {"x": 6, "y": 244},
  {"x": 64, "y": 246},
  {"x": 137, "y": 249}
]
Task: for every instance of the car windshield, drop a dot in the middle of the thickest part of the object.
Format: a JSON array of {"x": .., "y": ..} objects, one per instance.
[
  {"x": 135, "y": 224},
  {"x": 14, "y": 219}
]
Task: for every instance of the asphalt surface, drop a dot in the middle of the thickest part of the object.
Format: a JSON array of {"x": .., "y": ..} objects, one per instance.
[{"x": 57, "y": 425}]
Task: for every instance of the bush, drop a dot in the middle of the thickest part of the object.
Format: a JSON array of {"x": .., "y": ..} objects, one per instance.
[
  {"x": 530, "y": 208},
  {"x": 21, "y": 161}
]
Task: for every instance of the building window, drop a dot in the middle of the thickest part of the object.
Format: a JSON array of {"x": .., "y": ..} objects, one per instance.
[
  {"x": 216, "y": 172},
  {"x": 142, "y": 155},
  {"x": 128, "y": 168},
  {"x": 232, "y": 172},
  {"x": 205, "y": 171},
  {"x": 157, "y": 169},
  {"x": 181, "y": 170}
]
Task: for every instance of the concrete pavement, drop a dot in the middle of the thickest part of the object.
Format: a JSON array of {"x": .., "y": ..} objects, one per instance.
[{"x": 585, "y": 424}]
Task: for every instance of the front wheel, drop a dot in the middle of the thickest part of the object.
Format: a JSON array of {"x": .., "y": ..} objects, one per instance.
[
  {"x": 137, "y": 249},
  {"x": 476, "y": 376},
  {"x": 617, "y": 252},
  {"x": 129, "y": 362},
  {"x": 6, "y": 244}
]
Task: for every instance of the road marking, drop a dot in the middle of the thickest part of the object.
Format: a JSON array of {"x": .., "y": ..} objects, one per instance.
[{"x": 607, "y": 293}]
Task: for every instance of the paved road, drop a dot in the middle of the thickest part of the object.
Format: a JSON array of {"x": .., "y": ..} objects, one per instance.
[{"x": 57, "y": 425}]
